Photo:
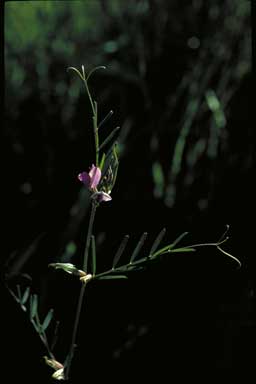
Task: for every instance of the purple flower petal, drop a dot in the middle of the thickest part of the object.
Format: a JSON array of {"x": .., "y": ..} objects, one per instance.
[
  {"x": 95, "y": 175},
  {"x": 85, "y": 178}
]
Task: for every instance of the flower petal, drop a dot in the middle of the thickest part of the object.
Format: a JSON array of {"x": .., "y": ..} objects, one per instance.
[
  {"x": 101, "y": 196},
  {"x": 95, "y": 175},
  {"x": 85, "y": 178}
]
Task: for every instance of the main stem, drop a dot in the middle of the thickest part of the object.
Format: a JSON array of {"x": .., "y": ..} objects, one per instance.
[
  {"x": 95, "y": 122},
  {"x": 89, "y": 235},
  {"x": 82, "y": 291},
  {"x": 75, "y": 329}
]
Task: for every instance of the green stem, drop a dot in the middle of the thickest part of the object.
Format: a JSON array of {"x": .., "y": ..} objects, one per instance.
[
  {"x": 45, "y": 342},
  {"x": 81, "y": 295},
  {"x": 122, "y": 267},
  {"x": 95, "y": 121},
  {"x": 89, "y": 95},
  {"x": 43, "y": 338},
  {"x": 96, "y": 135},
  {"x": 74, "y": 334},
  {"x": 89, "y": 234}
]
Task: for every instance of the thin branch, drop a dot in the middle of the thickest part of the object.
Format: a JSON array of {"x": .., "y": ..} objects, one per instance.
[
  {"x": 81, "y": 295},
  {"x": 70, "y": 356}
]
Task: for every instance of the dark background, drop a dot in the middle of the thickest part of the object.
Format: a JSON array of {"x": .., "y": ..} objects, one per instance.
[{"x": 178, "y": 79}]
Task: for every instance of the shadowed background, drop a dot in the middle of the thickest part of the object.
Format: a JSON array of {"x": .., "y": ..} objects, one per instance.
[{"x": 177, "y": 78}]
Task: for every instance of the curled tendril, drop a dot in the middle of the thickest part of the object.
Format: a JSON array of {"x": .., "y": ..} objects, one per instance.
[
  {"x": 221, "y": 241},
  {"x": 82, "y": 74},
  {"x": 229, "y": 255}
]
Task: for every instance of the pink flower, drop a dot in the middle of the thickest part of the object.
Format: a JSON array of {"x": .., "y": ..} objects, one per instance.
[{"x": 91, "y": 181}]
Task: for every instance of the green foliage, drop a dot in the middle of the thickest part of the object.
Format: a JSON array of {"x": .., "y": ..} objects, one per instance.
[
  {"x": 33, "y": 306},
  {"x": 138, "y": 247},
  {"x": 120, "y": 251},
  {"x": 155, "y": 252},
  {"x": 36, "y": 32},
  {"x": 43, "y": 37},
  {"x": 109, "y": 138},
  {"x": 156, "y": 242},
  {"x": 25, "y": 296},
  {"x": 109, "y": 164},
  {"x": 158, "y": 179},
  {"x": 218, "y": 122},
  {"x": 32, "y": 309},
  {"x": 47, "y": 320}
]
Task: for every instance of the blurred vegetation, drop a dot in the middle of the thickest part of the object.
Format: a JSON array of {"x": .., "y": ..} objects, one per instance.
[
  {"x": 177, "y": 78},
  {"x": 172, "y": 73},
  {"x": 173, "y": 76}
]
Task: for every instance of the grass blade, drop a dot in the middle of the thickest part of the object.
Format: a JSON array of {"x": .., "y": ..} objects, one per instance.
[
  {"x": 157, "y": 241},
  {"x": 138, "y": 247},
  {"x": 93, "y": 255},
  {"x": 120, "y": 251},
  {"x": 109, "y": 138},
  {"x": 47, "y": 320}
]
